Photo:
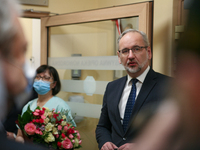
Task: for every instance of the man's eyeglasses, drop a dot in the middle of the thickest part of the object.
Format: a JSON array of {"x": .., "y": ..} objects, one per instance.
[
  {"x": 135, "y": 49},
  {"x": 45, "y": 78}
]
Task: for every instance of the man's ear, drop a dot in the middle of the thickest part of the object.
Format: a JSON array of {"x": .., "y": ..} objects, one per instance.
[
  {"x": 149, "y": 52},
  {"x": 119, "y": 57}
]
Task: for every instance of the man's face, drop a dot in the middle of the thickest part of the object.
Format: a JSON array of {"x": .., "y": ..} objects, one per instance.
[
  {"x": 14, "y": 75},
  {"x": 134, "y": 63}
]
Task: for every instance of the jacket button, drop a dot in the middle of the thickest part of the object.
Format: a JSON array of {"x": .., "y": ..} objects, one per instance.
[{"x": 124, "y": 139}]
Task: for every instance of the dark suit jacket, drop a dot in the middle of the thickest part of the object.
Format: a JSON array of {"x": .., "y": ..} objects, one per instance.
[{"x": 109, "y": 128}]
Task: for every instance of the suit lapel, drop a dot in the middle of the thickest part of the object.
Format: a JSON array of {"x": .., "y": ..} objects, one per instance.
[{"x": 119, "y": 91}]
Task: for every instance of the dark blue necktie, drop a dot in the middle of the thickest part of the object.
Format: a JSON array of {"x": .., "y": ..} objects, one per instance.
[{"x": 129, "y": 104}]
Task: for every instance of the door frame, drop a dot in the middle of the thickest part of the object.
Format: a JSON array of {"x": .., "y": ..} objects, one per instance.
[{"x": 141, "y": 10}]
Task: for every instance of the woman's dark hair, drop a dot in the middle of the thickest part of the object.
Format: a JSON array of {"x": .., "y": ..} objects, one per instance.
[{"x": 52, "y": 71}]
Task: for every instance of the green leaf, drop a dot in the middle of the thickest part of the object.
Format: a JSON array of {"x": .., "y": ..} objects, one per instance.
[
  {"x": 59, "y": 118},
  {"x": 53, "y": 120},
  {"x": 25, "y": 118},
  {"x": 38, "y": 108},
  {"x": 54, "y": 145}
]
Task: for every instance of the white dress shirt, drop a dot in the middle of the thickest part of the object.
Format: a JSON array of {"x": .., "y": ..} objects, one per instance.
[{"x": 127, "y": 90}]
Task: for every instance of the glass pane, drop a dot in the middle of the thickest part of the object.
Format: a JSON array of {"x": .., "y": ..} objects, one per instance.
[{"x": 86, "y": 59}]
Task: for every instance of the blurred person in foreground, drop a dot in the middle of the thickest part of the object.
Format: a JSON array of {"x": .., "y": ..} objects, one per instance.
[
  {"x": 9, "y": 122},
  {"x": 14, "y": 81},
  {"x": 124, "y": 98},
  {"x": 176, "y": 124},
  {"x": 47, "y": 85}
]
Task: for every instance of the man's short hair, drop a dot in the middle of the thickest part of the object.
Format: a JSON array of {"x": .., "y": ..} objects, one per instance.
[{"x": 144, "y": 36}]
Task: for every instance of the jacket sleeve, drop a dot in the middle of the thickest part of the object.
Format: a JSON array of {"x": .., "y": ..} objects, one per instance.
[{"x": 103, "y": 130}]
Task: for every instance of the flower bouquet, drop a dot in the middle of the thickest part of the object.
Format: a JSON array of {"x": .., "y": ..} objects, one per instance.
[{"x": 49, "y": 128}]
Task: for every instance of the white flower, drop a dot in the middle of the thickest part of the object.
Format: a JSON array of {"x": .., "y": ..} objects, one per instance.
[
  {"x": 64, "y": 117},
  {"x": 45, "y": 114},
  {"x": 76, "y": 143},
  {"x": 47, "y": 109},
  {"x": 50, "y": 138},
  {"x": 49, "y": 127},
  {"x": 46, "y": 120},
  {"x": 55, "y": 131},
  {"x": 49, "y": 114},
  {"x": 63, "y": 123}
]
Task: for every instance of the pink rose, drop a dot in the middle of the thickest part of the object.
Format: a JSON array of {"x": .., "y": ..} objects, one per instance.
[
  {"x": 78, "y": 135},
  {"x": 65, "y": 128},
  {"x": 67, "y": 144},
  {"x": 43, "y": 117},
  {"x": 37, "y": 110},
  {"x": 36, "y": 113},
  {"x": 41, "y": 133},
  {"x": 71, "y": 136},
  {"x": 59, "y": 127},
  {"x": 80, "y": 142},
  {"x": 37, "y": 131},
  {"x": 30, "y": 128}
]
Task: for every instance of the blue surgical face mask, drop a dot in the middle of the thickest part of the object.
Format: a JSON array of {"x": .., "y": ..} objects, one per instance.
[{"x": 41, "y": 87}]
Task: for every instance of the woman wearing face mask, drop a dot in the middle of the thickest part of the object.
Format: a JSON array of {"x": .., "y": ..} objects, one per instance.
[{"x": 47, "y": 85}]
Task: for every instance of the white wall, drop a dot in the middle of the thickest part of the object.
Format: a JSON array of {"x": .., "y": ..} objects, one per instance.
[{"x": 32, "y": 32}]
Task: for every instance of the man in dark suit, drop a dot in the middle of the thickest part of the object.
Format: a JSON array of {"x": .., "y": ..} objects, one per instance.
[
  {"x": 134, "y": 54},
  {"x": 13, "y": 77}
]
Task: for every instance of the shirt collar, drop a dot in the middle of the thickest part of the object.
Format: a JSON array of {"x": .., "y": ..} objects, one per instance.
[{"x": 141, "y": 77}]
